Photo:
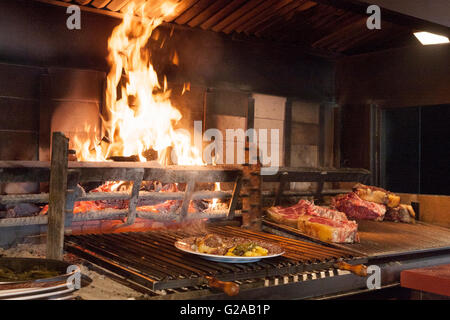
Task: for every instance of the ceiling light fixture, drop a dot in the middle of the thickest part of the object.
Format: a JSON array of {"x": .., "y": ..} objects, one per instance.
[{"x": 427, "y": 38}]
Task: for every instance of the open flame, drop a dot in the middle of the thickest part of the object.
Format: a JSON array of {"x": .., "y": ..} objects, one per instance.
[
  {"x": 140, "y": 117},
  {"x": 215, "y": 201}
]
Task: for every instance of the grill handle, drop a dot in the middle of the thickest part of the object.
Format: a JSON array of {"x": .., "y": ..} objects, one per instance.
[
  {"x": 230, "y": 288},
  {"x": 358, "y": 269}
]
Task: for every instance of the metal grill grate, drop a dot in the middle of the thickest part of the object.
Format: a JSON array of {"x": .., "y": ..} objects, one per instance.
[{"x": 150, "y": 258}]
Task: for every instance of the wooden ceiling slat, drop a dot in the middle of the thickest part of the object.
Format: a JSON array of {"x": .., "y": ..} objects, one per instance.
[
  {"x": 339, "y": 33},
  {"x": 193, "y": 11},
  {"x": 208, "y": 12},
  {"x": 332, "y": 27},
  {"x": 349, "y": 43},
  {"x": 352, "y": 36},
  {"x": 319, "y": 25},
  {"x": 134, "y": 3},
  {"x": 100, "y": 3},
  {"x": 277, "y": 16},
  {"x": 263, "y": 15},
  {"x": 235, "y": 15},
  {"x": 299, "y": 29},
  {"x": 228, "y": 9},
  {"x": 82, "y": 2},
  {"x": 153, "y": 8},
  {"x": 284, "y": 16},
  {"x": 321, "y": 13},
  {"x": 300, "y": 24},
  {"x": 116, "y": 5},
  {"x": 250, "y": 14},
  {"x": 180, "y": 9},
  {"x": 334, "y": 18}
]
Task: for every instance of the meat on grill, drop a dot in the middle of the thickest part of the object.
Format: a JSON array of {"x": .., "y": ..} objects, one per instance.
[
  {"x": 356, "y": 208},
  {"x": 401, "y": 213},
  {"x": 323, "y": 223},
  {"x": 290, "y": 215},
  {"x": 221, "y": 245},
  {"x": 377, "y": 195},
  {"x": 329, "y": 230},
  {"x": 212, "y": 244}
]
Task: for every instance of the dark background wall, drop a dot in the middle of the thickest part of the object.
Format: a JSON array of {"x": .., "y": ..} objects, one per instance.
[
  {"x": 405, "y": 77},
  {"x": 416, "y": 149},
  {"x": 401, "y": 78}
]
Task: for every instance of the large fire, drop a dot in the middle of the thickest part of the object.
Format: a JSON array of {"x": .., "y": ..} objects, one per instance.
[{"x": 140, "y": 116}]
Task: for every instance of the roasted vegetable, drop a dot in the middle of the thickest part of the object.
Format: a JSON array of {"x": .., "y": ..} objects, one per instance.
[{"x": 248, "y": 249}]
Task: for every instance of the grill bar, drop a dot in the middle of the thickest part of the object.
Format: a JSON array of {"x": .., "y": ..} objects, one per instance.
[{"x": 150, "y": 258}]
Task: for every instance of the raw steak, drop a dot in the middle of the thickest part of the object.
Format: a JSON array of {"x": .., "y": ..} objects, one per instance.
[
  {"x": 323, "y": 223},
  {"x": 377, "y": 195},
  {"x": 329, "y": 230},
  {"x": 356, "y": 208},
  {"x": 402, "y": 213}
]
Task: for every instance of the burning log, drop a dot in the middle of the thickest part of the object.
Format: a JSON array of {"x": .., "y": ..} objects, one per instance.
[{"x": 153, "y": 198}]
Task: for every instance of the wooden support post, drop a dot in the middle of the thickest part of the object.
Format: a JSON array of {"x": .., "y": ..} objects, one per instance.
[
  {"x": 235, "y": 197},
  {"x": 187, "y": 198},
  {"x": 252, "y": 206},
  {"x": 251, "y": 180},
  {"x": 251, "y": 113},
  {"x": 73, "y": 178},
  {"x": 287, "y": 132},
  {"x": 322, "y": 110},
  {"x": 318, "y": 195},
  {"x": 281, "y": 188},
  {"x": 57, "y": 196},
  {"x": 134, "y": 198}
]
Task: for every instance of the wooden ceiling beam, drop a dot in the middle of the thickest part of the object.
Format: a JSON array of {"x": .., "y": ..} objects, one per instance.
[
  {"x": 221, "y": 14},
  {"x": 193, "y": 11},
  {"x": 99, "y": 3},
  {"x": 297, "y": 23},
  {"x": 282, "y": 16},
  {"x": 262, "y": 16},
  {"x": 224, "y": 23},
  {"x": 82, "y": 2},
  {"x": 207, "y": 13},
  {"x": 116, "y": 5},
  {"x": 340, "y": 33},
  {"x": 251, "y": 13},
  {"x": 180, "y": 9},
  {"x": 355, "y": 37}
]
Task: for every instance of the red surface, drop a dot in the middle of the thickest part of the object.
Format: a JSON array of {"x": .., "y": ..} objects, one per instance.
[{"x": 432, "y": 279}]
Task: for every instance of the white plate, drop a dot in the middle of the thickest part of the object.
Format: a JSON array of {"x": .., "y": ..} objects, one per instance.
[{"x": 186, "y": 247}]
